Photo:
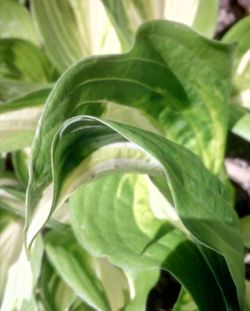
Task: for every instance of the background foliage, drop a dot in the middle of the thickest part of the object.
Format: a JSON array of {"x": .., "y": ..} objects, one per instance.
[{"x": 114, "y": 131}]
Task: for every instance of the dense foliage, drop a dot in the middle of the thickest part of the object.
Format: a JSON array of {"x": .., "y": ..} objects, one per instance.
[{"x": 112, "y": 166}]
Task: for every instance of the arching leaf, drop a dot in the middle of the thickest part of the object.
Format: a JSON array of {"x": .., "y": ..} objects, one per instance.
[
  {"x": 96, "y": 147},
  {"x": 155, "y": 78}
]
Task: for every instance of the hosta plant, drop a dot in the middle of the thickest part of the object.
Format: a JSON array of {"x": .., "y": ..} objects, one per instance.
[{"x": 112, "y": 166}]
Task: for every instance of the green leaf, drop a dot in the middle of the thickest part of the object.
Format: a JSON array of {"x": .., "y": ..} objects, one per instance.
[
  {"x": 97, "y": 148},
  {"x": 113, "y": 232},
  {"x": 18, "y": 128},
  {"x": 145, "y": 78},
  {"x": 244, "y": 229},
  {"x": 100, "y": 235},
  {"x": 203, "y": 22},
  {"x": 76, "y": 267},
  {"x": 72, "y": 29},
  {"x": 20, "y": 163},
  {"x": 21, "y": 60},
  {"x": 24, "y": 68},
  {"x": 12, "y": 200},
  {"x": 242, "y": 127},
  {"x": 16, "y": 22},
  {"x": 143, "y": 281},
  {"x": 12, "y": 196},
  {"x": 240, "y": 34},
  {"x": 19, "y": 119},
  {"x": 247, "y": 296},
  {"x": 32, "y": 99},
  {"x": 156, "y": 79},
  {"x": 114, "y": 282},
  {"x": 52, "y": 292},
  {"x": 184, "y": 302}
]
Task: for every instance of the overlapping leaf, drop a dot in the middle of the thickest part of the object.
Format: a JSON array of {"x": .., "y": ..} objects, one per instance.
[
  {"x": 155, "y": 81},
  {"x": 95, "y": 148},
  {"x": 24, "y": 75},
  {"x": 122, "y": 226},
  {"x": 24, "y": 68},
  {"x": 143, "y": 281},
  {"x": 184, "y": 110},
  {"x": 150, "y": 75},
  {"x": 54, "y": 294},
  {"x": 22, "y": 273},
  {"x": 128, "y": 15},
  {"x": 75, "y": 267}
]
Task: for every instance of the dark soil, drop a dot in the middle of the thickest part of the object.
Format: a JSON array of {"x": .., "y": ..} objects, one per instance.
[
  {"x": 163, "y": 296},
  {"x": 230, "y": 12}
]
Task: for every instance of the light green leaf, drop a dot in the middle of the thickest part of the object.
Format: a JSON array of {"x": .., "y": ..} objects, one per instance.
[
  {"x": 194, "y": 14},
  {"x": 114, "y": 283},
  {"x": 12, "y": 200},
  {"x": 18, "y": 128},
  {"x": 242, "y": 127},
  {"x": 19, "y": 119},
  {"x": 52, "y": 292},
  {"x": 240, "y": 34},
  {"x": 113, "y": 232},
  {"x": 76, "y": 267},
  {"x": 142, "y": 283},
  {"x": 22, "y": 277},
  {"x": 10, "y": 246},
  {"x": 124, "y": 215},
  {"x": 247, "y": 296},
  {"x": 184, "y": 302},
  {"x": 16, "y": 22},
  {"x": 72, "y": 29}
]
